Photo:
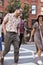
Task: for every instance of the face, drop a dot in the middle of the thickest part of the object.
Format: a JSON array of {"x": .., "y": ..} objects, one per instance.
[
  {"x": 19, "y": 12},
  {"x": 40, "y": 19}
]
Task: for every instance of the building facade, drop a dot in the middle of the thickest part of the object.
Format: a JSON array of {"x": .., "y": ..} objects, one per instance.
[
  {"x": 36, "y": 9},
  {"x": 3, "y": 5}
]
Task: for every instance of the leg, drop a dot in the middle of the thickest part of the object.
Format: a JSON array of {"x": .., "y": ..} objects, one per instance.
[
  {"x": 1, "y": 50},
  {"x": 0, "y": 47},
  {"x": 39, "y": 56},
  {"x": 36, "y": 49},
  {"x": 21, "y": 36},
  {"x": 7, "y": 44},
  {"x": 39, "y": 47},
  {"x": 0, "y": 55},
  {"x": 16, "y": 50},
  {"x": 7, "y": 47},
  {"x": 0, "y": 43}
]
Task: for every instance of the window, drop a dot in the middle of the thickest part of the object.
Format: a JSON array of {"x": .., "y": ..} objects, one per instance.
[
  {"x": 41, "y": 0},
  {"x": 0, "y": 14},
  {"x": 33, "y": 0},
  {"x": 41, "y": 10},
  {"x": 1, "y": 2},
  {"x": 33, "y": 9}
]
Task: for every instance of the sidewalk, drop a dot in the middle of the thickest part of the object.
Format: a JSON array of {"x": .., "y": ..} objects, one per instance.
[{"x": 28, "y": 64}]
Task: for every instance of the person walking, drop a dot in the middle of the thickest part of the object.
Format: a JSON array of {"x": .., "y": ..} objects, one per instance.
[
  {"x": 38, "y": 26},
  {"x": 21, "y": 31},
  {"x": 0, "y": 41},
  {"x": 10, "y": 23}
]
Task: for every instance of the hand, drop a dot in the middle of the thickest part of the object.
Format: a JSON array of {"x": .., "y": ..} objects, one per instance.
[
  {"x": 19, "y": 32},
  {"x": 4, "y": 33}
]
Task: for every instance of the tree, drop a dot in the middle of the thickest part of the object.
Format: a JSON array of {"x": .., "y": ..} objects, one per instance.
[
  {"x": 13, "y": 5},
  {"x": 17, "y": 4},
  {"x": 26, "y": 12}
]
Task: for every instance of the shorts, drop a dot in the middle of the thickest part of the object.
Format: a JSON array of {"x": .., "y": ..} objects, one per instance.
[{"x": 0, "y": 43}]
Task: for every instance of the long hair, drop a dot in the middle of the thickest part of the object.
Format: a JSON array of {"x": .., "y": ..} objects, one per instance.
[{"x": 39, "y": 17}]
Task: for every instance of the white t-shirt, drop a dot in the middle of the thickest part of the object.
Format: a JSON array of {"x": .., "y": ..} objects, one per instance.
[{"x": 0, "y": 30}]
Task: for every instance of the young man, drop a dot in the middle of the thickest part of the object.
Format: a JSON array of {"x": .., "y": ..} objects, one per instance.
[{"x": 10, "y": 23}]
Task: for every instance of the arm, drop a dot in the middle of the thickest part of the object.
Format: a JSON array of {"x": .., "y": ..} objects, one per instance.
[
  {"x": 19, "y": 31},
  {"x": 4, "y": 24},
  {"x": 4, "y": 27},
  {"x": 32, "y": 33}
]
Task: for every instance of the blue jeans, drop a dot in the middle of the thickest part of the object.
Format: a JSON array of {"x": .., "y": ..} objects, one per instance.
[{"x": 0, "y": 43}]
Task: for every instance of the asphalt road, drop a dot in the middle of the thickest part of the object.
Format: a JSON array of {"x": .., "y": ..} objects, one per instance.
[{"x": 25, "y": 56}]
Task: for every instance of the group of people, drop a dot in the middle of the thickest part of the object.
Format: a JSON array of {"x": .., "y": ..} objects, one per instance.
[{"x": 13, "y": 29}]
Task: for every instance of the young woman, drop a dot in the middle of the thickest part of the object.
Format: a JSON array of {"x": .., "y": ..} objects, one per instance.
[{"x": 37, "y": 36}]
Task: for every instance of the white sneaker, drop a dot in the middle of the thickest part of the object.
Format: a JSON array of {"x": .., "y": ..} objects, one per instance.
[
  {"x": 33, "y": 55},
  {"x": 39, "y": 62}
]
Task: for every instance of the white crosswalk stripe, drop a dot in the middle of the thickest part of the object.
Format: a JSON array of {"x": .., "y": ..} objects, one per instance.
[
  {"x": 21, "y": 57},
  {"x": 27, "y": 64}
]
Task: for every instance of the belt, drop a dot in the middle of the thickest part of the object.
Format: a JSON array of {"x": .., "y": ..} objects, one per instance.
[{"x": 11, "y": 32}]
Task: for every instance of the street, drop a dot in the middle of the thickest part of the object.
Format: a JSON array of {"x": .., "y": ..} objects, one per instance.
[{"x": 25, "y": 55}]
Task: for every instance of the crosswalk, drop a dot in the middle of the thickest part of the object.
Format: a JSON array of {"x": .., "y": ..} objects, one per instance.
[{"x": 25, "y": 55}]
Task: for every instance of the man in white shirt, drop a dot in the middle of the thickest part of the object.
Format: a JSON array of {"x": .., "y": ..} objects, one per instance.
[{"x": 10, "y": 23}]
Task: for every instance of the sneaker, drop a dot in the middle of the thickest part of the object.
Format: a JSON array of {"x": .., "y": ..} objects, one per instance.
[
  {"x": 33, "y": 55},
  {"x": 39, "y": 62}
]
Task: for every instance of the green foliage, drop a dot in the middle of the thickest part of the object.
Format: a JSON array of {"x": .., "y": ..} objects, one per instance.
[
  {"x": 25, "y": 12},
  {"x": 13, "y": 5},
  {"x": 17, "y": 4}
]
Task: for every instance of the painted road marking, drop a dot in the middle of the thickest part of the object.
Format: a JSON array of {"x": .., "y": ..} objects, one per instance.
[{"x": 27, "y": 64}]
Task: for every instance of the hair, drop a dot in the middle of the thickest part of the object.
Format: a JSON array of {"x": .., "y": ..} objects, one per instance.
[
  {"x": 39, "y": 17},
  {"x": 1, "y": 21}
]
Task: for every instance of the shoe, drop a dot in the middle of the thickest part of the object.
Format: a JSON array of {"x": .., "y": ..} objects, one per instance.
[
  {"x": 39, "y": 62},
  {"x": 2, "y": 60},
  {"x": 33, "y": 55}
]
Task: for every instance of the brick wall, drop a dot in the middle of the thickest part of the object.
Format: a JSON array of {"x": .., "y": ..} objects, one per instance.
[{"x": 38, "y": 9}]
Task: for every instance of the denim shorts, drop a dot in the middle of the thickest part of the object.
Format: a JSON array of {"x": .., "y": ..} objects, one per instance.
[{"x": 0, "y": 43}]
